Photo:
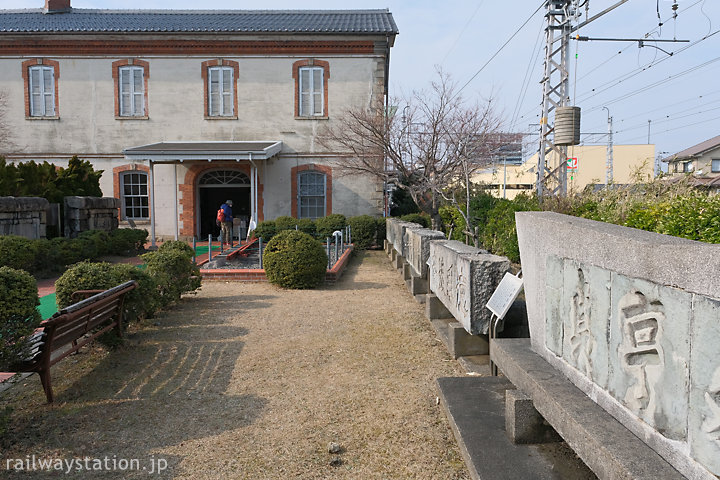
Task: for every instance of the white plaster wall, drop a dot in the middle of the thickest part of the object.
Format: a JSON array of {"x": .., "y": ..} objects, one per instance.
[
  {"x": 265, "y": 87},
  {"x": 266, "y": 94}
]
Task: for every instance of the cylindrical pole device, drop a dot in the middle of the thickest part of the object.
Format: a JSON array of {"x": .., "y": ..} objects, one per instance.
[
  {"x": 209, "y": 247},
  {"x": 336, "y": 247},
  {"x": 194, "y": 247},
  {"x": 327, "y": 250},
  {"x": 260, "y": 252}
]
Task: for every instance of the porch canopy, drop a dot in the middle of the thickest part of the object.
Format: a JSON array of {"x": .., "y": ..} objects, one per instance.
[{"x": 179, "y": 152}]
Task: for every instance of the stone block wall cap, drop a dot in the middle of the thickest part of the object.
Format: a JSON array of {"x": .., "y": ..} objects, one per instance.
[
  {"x": 23, "y": 204},
  {"x": 617, "y": 231}
]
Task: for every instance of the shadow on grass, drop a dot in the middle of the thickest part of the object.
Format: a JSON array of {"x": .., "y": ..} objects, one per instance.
[{"x": 169, "y": 384}]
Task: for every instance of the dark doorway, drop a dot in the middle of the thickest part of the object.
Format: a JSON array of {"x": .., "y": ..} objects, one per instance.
[{"x": 216, "y": 188}]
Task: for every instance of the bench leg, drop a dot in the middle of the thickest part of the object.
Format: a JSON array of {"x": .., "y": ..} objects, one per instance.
[{"x": 45, "y": 380}]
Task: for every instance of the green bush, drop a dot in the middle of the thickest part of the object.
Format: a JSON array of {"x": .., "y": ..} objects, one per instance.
[
  {"x": 177, "y": 246},
  {"x": 95, "y": 243},
  {"x": 173, "y": 271},
  {"x": 18, "y": 313},
  {"x": 327, "y": 225},
  {"x": 16, "y": 252},
  {"x": 381, "y": 229},
  {"x": 294, "y": 259},
  {"x": 306, "y": 225},
  {"x": 500, "y": 233},
  {"x": 127, "y": 241},
  {"x": 265, "y": 230},
  {"x": 141, "y": 302},
  {"x": 423, "y": 220},
  {"x": 454, "y": 223},
  {"x": 64, "y": 251},
  {"x": 363, "y": 230},
  {"x": 285, "y": 223}
]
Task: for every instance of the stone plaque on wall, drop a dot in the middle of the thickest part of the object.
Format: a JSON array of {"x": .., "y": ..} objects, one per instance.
[
  {"x": 417, "y": 248},
  {"x": 464, "y": 278}
]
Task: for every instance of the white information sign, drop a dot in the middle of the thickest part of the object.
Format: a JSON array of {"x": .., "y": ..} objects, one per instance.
[{"x": 505, "y": 294}]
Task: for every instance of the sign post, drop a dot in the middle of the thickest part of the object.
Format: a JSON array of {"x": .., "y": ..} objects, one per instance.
[{"x": 499, "y": 304}]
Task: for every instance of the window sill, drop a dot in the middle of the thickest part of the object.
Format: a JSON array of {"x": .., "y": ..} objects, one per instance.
[
  {"x": 312, "y": 118},
  {"x": 56, "y": 117},
  {"x": 233, "y": 117},
  {"x": 145, "y": 117}
]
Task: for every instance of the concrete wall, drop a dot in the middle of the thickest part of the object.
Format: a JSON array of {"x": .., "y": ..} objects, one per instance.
[
  {"x": 633, "y": 323},
  {"x": 23, "y": 216}
]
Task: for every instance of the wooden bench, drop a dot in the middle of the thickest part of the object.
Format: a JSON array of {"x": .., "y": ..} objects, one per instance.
[{"x": 71, "y": 328}]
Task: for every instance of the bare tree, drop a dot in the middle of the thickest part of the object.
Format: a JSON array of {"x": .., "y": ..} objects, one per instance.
[{"x": 430, "y": 147}]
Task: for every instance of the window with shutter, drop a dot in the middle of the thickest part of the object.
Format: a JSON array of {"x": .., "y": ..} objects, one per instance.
[
  {"x": 220, "y": 92},
  {"x": 311, "y": 94},
  {"x": 132, "y": 91},
  {"x": 42, "y": 91}
]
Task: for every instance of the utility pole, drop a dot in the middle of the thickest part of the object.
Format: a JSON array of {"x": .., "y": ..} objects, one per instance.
[
  {"x": 649, "y": 131},
  {"x": 609, "y": 161},
  {"x": 552, "y": 179}
]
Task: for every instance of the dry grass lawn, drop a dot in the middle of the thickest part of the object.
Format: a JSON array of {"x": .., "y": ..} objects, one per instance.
[{"x": 251, "y": 381}]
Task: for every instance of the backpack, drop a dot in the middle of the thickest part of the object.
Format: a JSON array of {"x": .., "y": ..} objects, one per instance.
[{"x": 220, "y": 216}]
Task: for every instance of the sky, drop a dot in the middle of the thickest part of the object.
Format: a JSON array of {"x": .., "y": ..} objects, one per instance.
[{"x": 678, "y": 94}]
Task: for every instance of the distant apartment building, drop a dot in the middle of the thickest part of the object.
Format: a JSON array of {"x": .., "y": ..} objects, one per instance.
[{"x": 586, "y": 165}]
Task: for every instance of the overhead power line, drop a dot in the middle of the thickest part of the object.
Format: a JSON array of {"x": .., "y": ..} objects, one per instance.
[{"x": 500, "y": 49}]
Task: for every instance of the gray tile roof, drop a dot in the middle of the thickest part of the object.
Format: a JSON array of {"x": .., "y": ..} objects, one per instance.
[
  {"x": 696, "y": 150},
  {"x": 200, "y": 21}
]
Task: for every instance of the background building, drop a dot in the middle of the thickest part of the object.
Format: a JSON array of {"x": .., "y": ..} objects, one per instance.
[{"x": 185, "y": 109}]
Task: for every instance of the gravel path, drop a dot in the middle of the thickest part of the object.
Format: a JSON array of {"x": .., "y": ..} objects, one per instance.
[{"x": 251, "y": 381}]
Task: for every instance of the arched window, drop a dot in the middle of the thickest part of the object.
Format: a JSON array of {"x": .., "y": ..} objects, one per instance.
[
  {"x": 311, "y": 194},
  {"x": 134, "y": 195},
  {"x": 224, "y": 177}
]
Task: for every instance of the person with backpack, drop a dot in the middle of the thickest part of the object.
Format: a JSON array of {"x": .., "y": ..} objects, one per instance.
[{"x": 225, "y": 221}]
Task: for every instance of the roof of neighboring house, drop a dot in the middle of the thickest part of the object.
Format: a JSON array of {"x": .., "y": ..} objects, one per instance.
[
  {"x": 198, "y": 21},
  {"x": 696, "y": 150}
]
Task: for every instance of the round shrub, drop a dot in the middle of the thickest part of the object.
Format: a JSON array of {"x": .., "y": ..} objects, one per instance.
[
  {"x": 173, "y": 272},
  {"x": 423, "y": 220},
  {"x": 327, "y": 225},
  {"x": 363, "y": 230},
  {"x": 18, "y": 313},
  {"x": 294, "y": 259},
  {"x": 265, "y": 230},
  {"x": 16, "y": 252},
  {"x": 285, "y": 223},
  {"x": 177, "y": 246},
  {"x": 141, "y": 302}
]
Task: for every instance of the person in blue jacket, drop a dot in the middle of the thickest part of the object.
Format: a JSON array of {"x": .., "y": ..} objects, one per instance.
[{"x": 227, "y": 224}]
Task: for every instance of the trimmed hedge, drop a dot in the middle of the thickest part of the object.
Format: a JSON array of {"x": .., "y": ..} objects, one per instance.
[
  {"x": 364, "y": 231},
  {"x": 44, "y": 257},
  {"x": 265, "y": 230},
  {"x": 423, "y": 220},
  {"x": 327, "y": 225},
  {"x": 294, "y": 259},
  {"x": 18, "y": 313}
]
